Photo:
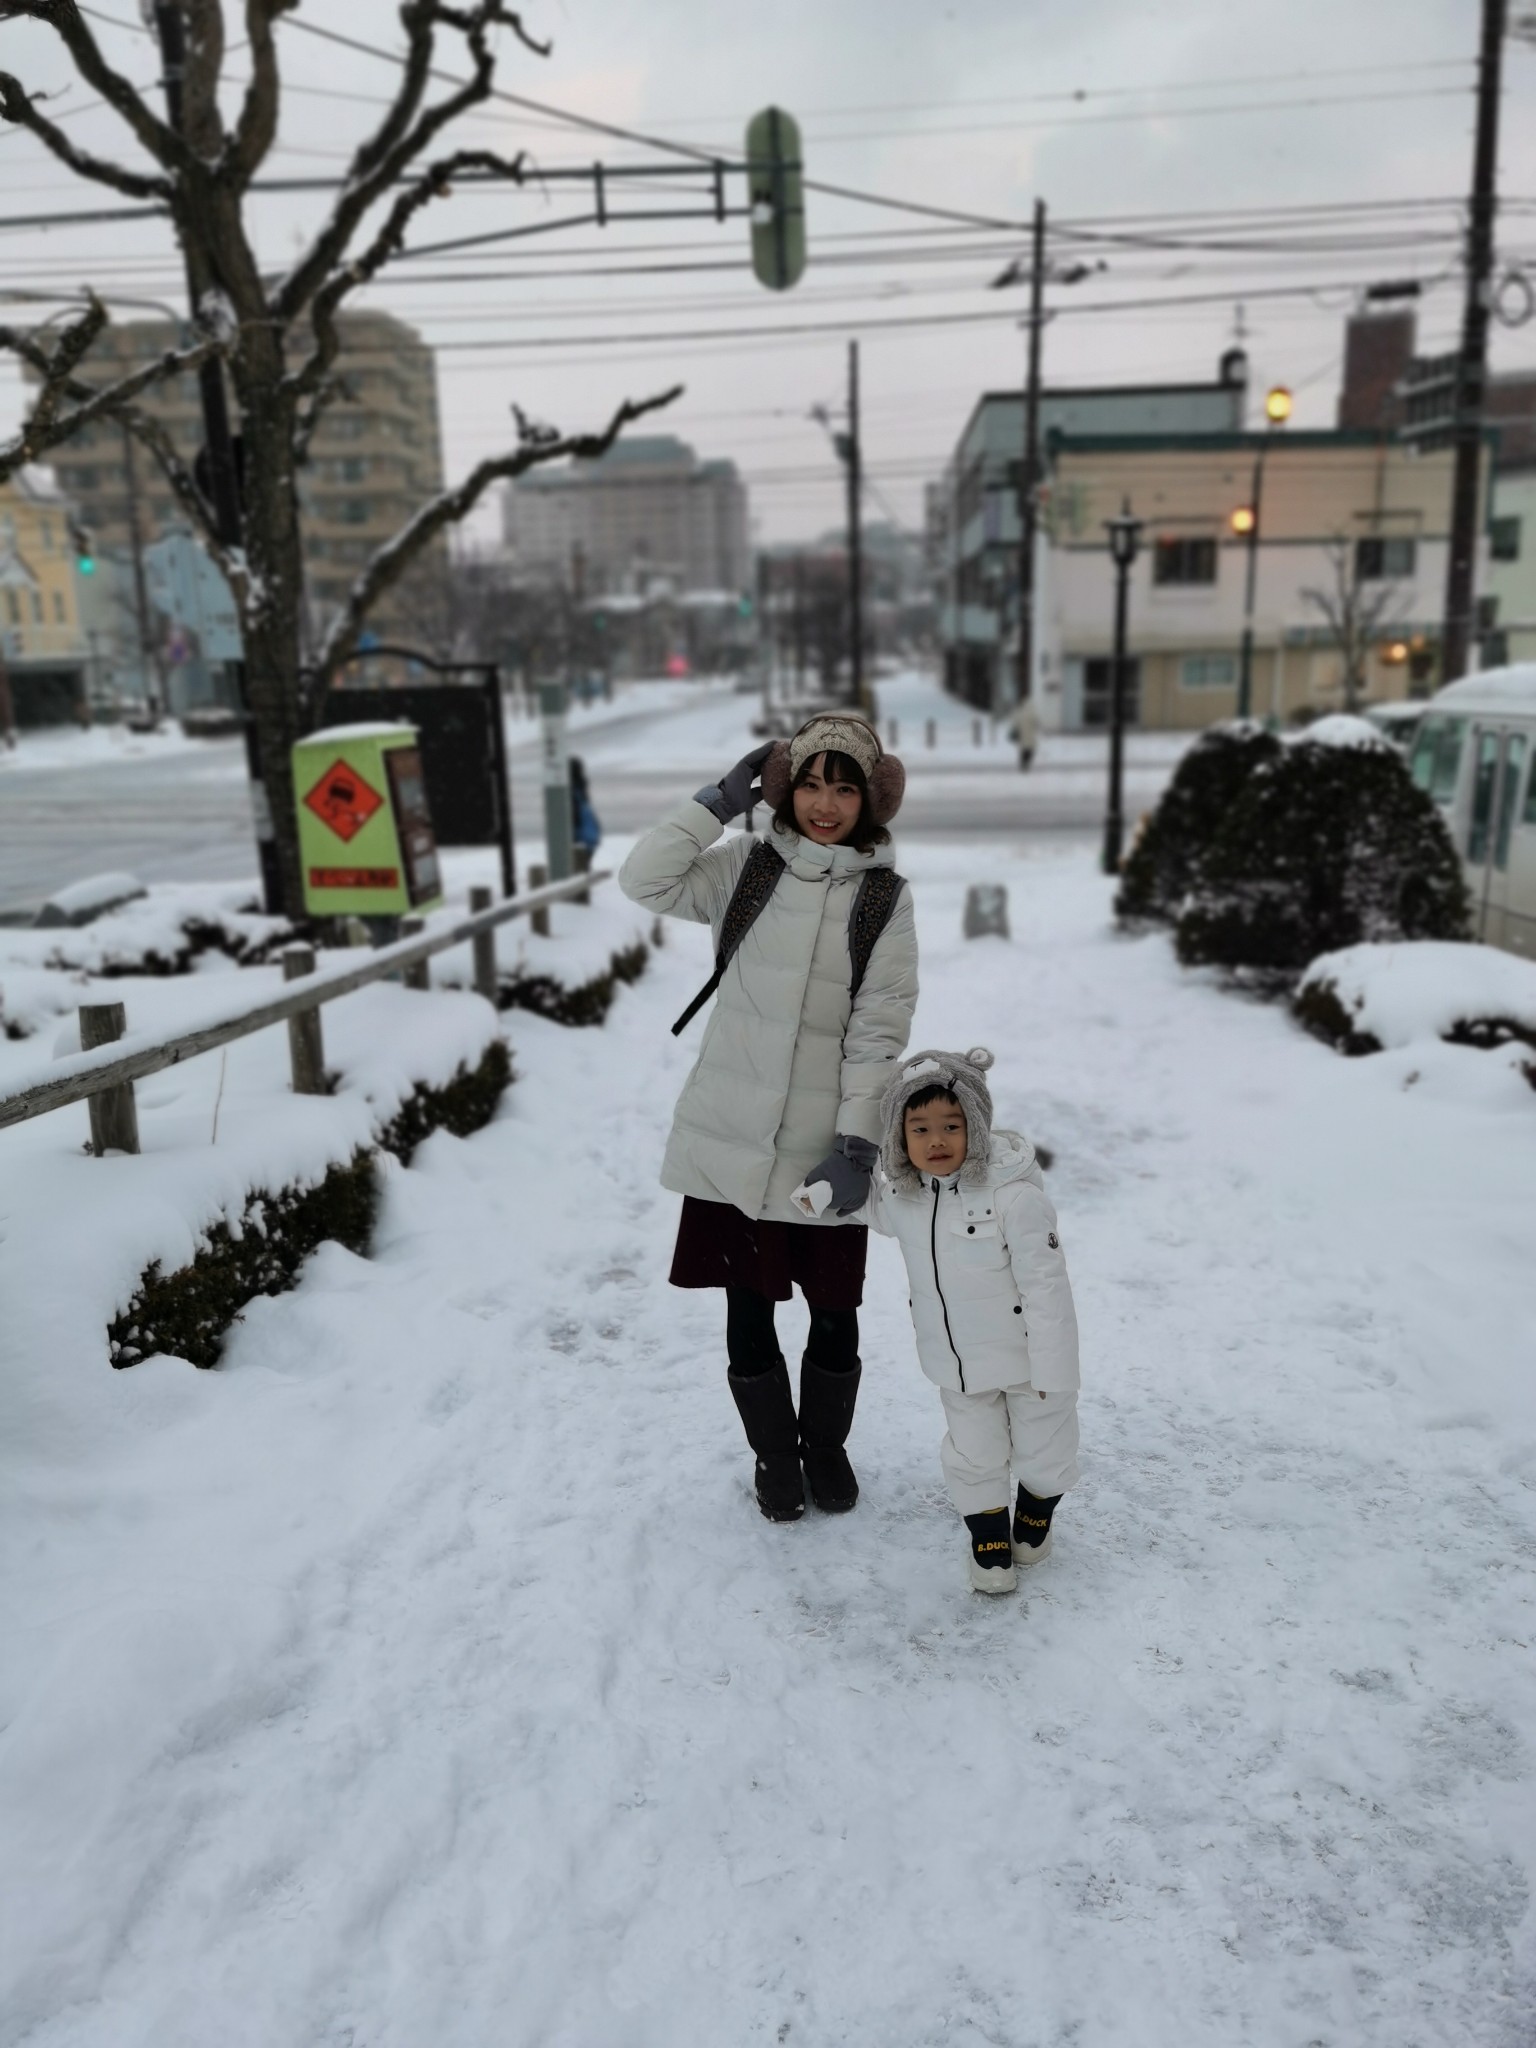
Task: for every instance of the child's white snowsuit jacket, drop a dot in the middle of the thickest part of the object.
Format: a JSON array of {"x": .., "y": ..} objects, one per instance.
[{"x": 991, "y": 1301}]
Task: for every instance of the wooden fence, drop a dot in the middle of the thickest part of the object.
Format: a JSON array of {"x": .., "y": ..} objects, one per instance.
[{"x": 102, "y": 1074}]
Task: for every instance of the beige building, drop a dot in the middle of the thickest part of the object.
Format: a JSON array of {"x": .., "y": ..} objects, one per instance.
[
  {"x": 646, "y": 512},
  {"x": 42, "y": 638},
  {"x": 1352, "y": 515},
  {"x": 376, "y": 457}
]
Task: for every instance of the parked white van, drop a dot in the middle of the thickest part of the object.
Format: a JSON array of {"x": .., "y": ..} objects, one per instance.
[{"x": 1475, "y": 753}]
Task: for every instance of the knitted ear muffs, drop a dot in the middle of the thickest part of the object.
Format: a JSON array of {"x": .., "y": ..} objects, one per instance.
[{"x": 887, "y": 786}]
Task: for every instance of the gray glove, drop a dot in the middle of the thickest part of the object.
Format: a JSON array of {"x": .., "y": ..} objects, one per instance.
[
  {"x": 847, "y": 1168},
  {"x": 737, "y": 789}
]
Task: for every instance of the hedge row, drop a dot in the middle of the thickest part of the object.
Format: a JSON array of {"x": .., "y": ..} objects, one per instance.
[
  {"x": 1264, "y": 856},
  {"x": 188, "y": 1313}
]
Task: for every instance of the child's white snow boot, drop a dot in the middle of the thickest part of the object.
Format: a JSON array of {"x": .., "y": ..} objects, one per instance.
[
  {"x": 1032, "y": 1527},
  {"x": 991, "y": 1558}
]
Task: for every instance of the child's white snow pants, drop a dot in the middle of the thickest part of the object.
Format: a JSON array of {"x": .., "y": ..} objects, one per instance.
[{"x": 1034, "y": 1433}]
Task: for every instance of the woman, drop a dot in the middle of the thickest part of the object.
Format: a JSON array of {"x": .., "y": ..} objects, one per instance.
[{"x": 789, "y": 1077}]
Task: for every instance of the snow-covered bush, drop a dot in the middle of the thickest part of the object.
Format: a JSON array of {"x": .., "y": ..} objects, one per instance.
[
  {"x": 1164, "y": 863},
  {"x": 1327, "y": 845},
  {"x": 1368, "y": 999}
]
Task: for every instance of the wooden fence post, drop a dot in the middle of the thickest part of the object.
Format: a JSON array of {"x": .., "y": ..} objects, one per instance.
[
  {"x": 933, "y": 732},
  {"x": 581, "y": 857},
  {"x": 306, "y": 1044},
  {"x": 485, "y": 947},
  {"x": 114, "y": 1113},
  {"x": 539, "y": 919},
  {"x": 419, "y": 976}
]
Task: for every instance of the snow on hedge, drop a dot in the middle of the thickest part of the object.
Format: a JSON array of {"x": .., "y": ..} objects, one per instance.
[
  {"x": 163, "y": 931},
  {"x": 1340, "y": 729},
  {"x": 214, "y": 1131},
  {"x": 1403, "y": 994}
]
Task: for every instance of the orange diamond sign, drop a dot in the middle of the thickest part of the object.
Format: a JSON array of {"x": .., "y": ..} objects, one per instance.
[{"x": 343, "y": 800}]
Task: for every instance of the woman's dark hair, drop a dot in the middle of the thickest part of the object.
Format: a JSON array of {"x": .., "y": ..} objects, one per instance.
[{"x": 866, "y": 834}]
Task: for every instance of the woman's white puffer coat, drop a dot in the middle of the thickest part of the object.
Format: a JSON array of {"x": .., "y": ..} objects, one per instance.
[
  {"x": 991, "y": 1301},
  {"x": 788, "y": 1059}
]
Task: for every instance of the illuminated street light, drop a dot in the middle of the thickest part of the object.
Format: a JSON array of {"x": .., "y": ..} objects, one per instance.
[{"x": 1245, "y": 523}]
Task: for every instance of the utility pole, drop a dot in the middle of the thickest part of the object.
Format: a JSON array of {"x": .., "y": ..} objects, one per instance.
[
  {"x": 223, "y": 481},
  {"x": 855, "y": 464},
  {"x": 1472, "y": 369},
  {"x": 150, "y": 665},
  {"x": 1029, "y": 468}
]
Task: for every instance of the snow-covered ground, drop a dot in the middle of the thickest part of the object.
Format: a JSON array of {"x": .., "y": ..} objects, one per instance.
[
  {"x": 62, "y": 746},
  {"x": 426, "y": 1675}
]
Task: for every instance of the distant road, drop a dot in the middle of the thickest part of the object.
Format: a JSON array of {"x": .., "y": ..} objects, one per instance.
[{"x": 186, "y": 817}]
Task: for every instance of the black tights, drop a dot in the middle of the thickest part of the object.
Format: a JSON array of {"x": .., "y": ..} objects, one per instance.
[{"x": 752, "y": 1343}]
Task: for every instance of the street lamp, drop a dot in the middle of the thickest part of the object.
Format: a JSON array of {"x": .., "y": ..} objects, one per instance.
[
  {"x": 1245, "y": 523},
  {"x": 1124, "y": 535}
]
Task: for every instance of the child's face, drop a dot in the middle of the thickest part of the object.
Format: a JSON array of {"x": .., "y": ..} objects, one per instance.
[{"x": 935, "y": 1137}]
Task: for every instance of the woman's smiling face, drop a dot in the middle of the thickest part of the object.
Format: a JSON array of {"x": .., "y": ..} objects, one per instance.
[{"x": 826, "y": 811}]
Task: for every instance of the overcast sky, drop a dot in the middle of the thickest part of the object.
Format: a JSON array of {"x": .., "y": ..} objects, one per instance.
[{"x": 1117, "y": 115}]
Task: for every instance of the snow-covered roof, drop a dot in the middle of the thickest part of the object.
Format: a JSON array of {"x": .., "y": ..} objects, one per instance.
[
  {"x": 365, "y": 729},
  {"x": 1494, "y": 688}
]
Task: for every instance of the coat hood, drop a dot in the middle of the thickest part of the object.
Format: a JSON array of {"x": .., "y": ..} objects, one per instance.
[{"x": 960, "y": 1074}]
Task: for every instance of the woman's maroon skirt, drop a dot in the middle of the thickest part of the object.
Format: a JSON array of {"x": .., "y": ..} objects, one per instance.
[{"x": 719, "y": 1247}]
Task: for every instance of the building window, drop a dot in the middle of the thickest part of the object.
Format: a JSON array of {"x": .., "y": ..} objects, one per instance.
[
  {"x": 1187, "y": 558},
  {"x": 58, "y": 608},
  {"x": 13, "y": 606},
  {"x": 1381, "y": 556},
  {"x": 1504, "y": 538},
  {"x": 354, "y": 511},
  {"x": 1208, "y": 672},
  {"x": 1098, "y": 683}
]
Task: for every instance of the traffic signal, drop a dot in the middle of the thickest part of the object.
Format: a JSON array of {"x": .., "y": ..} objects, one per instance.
[
  {"x": 776, "y": 198},
  {"x": 85, "y": 552}
]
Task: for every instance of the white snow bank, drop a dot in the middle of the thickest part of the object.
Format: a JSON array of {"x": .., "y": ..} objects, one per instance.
[
  {"x": 1404, "y": 994},
  {"x": 1340, "y": 729},
  {"x": 80, "y": 901},
  {"x": 152, "y": 929},
  {"x": 77, "y": 1233}
]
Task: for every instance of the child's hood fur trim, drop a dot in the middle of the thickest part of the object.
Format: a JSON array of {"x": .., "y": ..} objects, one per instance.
[{"x": 963, "y": 1075}]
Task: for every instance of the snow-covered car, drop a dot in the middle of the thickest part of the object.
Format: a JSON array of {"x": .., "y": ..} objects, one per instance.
[{"x": 1474, "y": 752}]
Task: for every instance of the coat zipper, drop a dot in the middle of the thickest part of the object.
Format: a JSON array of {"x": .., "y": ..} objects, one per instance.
[{"x": 933, "y": 1248}]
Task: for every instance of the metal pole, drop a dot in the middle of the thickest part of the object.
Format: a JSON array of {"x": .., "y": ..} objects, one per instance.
[
  {"x": 223, "y": 476},
  {"x": 1029, "y": 470},
  {"x": 557, "y": 781},
  {"x": 855, "y": 532},
  {"x": 1114, "y": 821},
  {"x": 1245, "y": 667},
  {"x": 1472, "y": 370},
  {"x": 150, "y": 669}
]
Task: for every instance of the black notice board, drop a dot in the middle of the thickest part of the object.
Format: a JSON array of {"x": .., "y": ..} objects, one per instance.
[{"x": 463, "y": 755}]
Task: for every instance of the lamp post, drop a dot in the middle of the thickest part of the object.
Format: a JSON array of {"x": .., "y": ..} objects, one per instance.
[
  {"x": 1124, "y": 536},
  {"x": 1245, "y": 523}
]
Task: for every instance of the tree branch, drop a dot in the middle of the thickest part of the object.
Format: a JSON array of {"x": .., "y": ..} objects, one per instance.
[
  {"x": 535, "y": 446},
  {"x": 21, "y": 111},
  {"x": 405, "y": 132},
  {"x": 154, "y": 136},
  {"x": 256, "y": 129},
  {"x": 56, "y": 368},
  {"x": 435, "y": 182}
]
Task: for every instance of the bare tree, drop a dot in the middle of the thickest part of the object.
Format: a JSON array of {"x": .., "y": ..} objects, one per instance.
[
  {"x": 1355, "y": 612},
  {"x": 278, "y": 336}
]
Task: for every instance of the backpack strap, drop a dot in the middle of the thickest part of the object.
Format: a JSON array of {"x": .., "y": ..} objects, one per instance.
[
  {"x": 872, "y": 908},
  {"x": 759, "y": 876}
]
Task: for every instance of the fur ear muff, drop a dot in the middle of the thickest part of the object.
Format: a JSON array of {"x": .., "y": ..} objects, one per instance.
[
  {"x": 775, "y": 776},
  {"x": 887, "y": 787}
]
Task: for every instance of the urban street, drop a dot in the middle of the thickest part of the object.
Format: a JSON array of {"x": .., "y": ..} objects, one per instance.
[{"x": 767, "y": 1026}]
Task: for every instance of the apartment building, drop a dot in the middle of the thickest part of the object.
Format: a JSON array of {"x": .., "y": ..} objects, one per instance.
[
  {"x": 1349, "y": 519},
  {"x": 376, "y": 457},
  {"x": 972, "y": 514},
  {"x": 43, "y": 643},
  {"x": 647, "y": 512}
]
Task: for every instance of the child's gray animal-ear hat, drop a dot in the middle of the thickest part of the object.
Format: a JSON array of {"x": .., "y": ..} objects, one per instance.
[{"x": 960, "y": 1074}]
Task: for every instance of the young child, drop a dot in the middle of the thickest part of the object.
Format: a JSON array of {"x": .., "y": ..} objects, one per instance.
[{"x": 991, "y": 1302}]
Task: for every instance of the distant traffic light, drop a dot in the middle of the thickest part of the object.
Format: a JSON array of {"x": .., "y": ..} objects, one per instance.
[
  {"x": 85, "y": 551},
  {"x": 776, "y": 198}
]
